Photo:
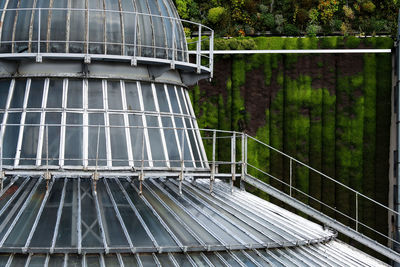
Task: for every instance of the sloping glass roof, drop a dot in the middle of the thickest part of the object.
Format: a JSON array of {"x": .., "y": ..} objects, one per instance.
[
  {"x": 71, "y": 217},
  {"x": 72, "y": 224}
]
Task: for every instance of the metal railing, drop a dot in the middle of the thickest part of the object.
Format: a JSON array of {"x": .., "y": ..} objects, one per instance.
[
  {"x": 225, "y": 155},
  {"x": 139, "y": 37}
]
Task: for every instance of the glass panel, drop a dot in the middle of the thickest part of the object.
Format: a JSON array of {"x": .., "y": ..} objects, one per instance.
[
  {"x": 147, "y": 259},
  {"x": 244, "y": 259},
  {"x": 8, "y": 28},
  {"x": 112, "y": 227},
  {"x": 132, "y": 96},
  {"x": 129, "y": 260},
  {"x": 55, "y": 95},
  {"x": 160, "y": 234},
  {"x": 129, "y": 26},
  {"x": 158, "y": 29},
  {"x": 196, "y": 153},
  {"x": 21, "y": 37},
  {"x": 30, "y": 139},
  {"x": 214, "y": 259},
  {"x": 229, "y": 259},
  {"x": 36, "y": 93},
  {"x": 11, "y": 138},
  {"x": 68, "y": 222},
  {"x": 176, "y": 227},
  {"x": 74, "y": 260},
  {"x": 162, "y": 98},
  {"x": 44, "y": 232},
  {"x": 19, "y": 260},
  {"x": 146, "y": 36},
  {"x": 118, "y": 141},
  {"x": 10, "y": 192},
  {"x": 113, "y": 27},
  {"x": 165, "y": 260},
  {"x": 148, "y": 100},
  {"x": 91, "y": 236},
  {"x": 37, "y": 261},
  {"x": 137, "y": 140},
  {"x": 17, "y": 100},
  {"x": 58, "y": 30},
  {"x": 135, "y": 229},
  {"x": 1, "y": 118},
  {"x": 170, "y": 140},
  {"x": 167, "y": 25},
  {"x": 77, "y": 33},
  {"x": 12, "y": 210},
  {"x": 181, "y": 259},
  {"x": 111, "y": 260},
  {"x": 95, "y": 92},
  {"x": 156, "y": 144},
  {"x": 198, "y": 259},
  {"x": 73, "y": 135},
  {"x": 114, "y": 95},
  {"x": 187, "y": 156},
  {"x": 56, "y": 260},
  {"x": 181, "y": 100},
  {"x": 97, "y": 138},
  {"x": 4, "y": 259},
  {"x": 96, "y": 27},
  {"x": 53, "y": 120},
  {"x": 75, "y": 94},
  {"x": 21, "y": 230},
  {"x": 4, "y": 89},
  {"x": 92, "y": 261},
  {"x": 173, "y": 99},
  {"x": 44, "y": 16}
]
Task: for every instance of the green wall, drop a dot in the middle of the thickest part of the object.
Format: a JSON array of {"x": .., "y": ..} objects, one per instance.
[{"x": 331, "y": 111}]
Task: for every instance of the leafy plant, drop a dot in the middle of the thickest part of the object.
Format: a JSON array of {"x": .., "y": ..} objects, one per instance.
[{"x": 215, "y": 14}]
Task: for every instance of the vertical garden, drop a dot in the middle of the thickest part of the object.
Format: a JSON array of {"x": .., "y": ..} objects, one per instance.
[{"x": 331, "y": 111}]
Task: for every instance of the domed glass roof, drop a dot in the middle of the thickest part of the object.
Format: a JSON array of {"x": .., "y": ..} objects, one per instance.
[{"x": 143, "y": 28}]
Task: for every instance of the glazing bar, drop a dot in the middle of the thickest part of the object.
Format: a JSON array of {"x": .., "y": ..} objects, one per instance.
[
  {"x": 99, "y": 220},
  {"x": 59, "y": 213}
]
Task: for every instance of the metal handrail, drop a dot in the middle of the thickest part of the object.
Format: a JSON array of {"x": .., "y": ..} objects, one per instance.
[{"x": 171, "y": 52}]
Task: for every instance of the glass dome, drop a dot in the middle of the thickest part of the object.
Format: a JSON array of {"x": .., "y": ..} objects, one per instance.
[{"x": 142, "y": 28}]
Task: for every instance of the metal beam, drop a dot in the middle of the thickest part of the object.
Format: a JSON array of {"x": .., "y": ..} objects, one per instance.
[{"x": 391, "y": 254}]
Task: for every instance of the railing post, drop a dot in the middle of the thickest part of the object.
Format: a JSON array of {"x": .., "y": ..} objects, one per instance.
[
  {"x": 357, "y": 211},
  {"x": 212, "y": 177},
  {"x": 38, "y": 56},
  {"x": 198, "y": 53},
  {"x": 211, "y": 54},
  {"x": 182, "y": 162},
  {"x": 244, "y": 166},
  {"x": 233, "y": 160},
  {"x": 173, "y": 45},
  {"x": 290, "y": 176},
  {"x": 134, "y": 60},
  {"x": 243, "y": 159}
]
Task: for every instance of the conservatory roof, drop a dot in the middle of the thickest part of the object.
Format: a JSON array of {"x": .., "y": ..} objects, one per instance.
[{"x": 79, "y": 221}]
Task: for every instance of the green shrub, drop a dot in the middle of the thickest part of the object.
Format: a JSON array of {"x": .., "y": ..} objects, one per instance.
[
  {"x": 313, "y": 30},
  {"x": 216, "y": 14},
  {"x": 291, "y": 30},
  {"x": 352, "y": 42},
  {"x": 268, "y": 21},
  {"x": 368, "y": 7}
]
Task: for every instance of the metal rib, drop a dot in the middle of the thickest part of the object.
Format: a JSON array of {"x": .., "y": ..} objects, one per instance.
[
  {"x": 10, "y": 259},
  {"x": 148, "y": 232},
  {"x": 28, "y": 260},
  {"x": 177, "y": 241},
  {"x": 251, "y": 258},
  {"x": 39, "y": 214},
  {"x": 121, "y": 221},
  {"x": 59, "y": 213},
  {"x": 99, "y": 219},
  {"x": 120, "y": 260},
  {"x": 22, "y": 209},
  {"x": 9, "y": 185}
]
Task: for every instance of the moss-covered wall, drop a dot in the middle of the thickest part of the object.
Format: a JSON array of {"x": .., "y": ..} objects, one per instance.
[{"x": 331, "y": 111}]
